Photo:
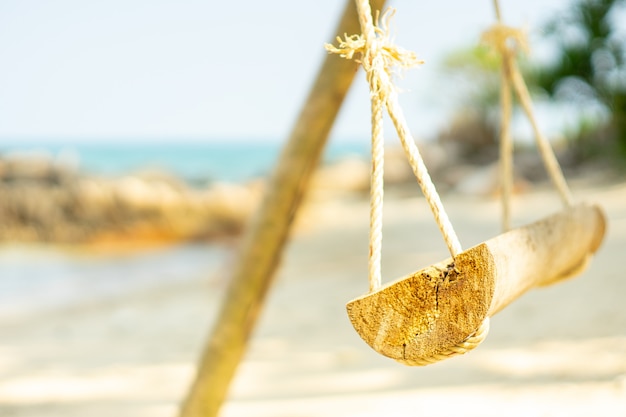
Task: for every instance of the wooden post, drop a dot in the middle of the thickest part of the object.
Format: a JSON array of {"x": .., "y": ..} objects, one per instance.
[{"x": 265, "y": 239}]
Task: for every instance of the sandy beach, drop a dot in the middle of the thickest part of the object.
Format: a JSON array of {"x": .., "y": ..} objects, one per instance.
[{"x": 558, "y": 351}]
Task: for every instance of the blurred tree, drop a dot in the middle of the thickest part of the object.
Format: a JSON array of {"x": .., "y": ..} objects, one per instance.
[
  {"x": 478, "y": 72},
  {"x": 590, "y": 68},
  {"x": 587, "y": 69},
  {"x": 475, "y": 74}
]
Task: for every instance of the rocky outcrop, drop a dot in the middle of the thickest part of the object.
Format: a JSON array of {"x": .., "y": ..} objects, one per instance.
[{"x": 44, "y": 201}]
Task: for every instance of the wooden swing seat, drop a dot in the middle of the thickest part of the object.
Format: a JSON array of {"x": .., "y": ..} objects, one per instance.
[{"x": 439, "y": 307}]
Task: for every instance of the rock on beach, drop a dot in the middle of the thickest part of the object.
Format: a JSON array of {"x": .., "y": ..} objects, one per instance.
[{"x": 42, "y": 200}]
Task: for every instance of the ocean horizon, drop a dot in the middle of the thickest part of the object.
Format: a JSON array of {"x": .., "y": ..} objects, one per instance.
[{"x": 195, "y": 162}]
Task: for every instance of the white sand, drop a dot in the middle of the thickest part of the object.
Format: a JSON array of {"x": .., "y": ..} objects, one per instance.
[{"x": 559, "y": 351}]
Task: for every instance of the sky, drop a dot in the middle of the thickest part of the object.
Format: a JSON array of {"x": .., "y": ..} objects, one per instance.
[{"x": 120, "y": 70}]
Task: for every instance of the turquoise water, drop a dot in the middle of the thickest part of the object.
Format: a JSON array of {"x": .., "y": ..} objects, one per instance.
[{"x": 196, "y": 163}]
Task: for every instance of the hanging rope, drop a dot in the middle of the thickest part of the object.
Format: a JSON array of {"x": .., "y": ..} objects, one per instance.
[
  {"x": 500, "y": 37},
  {"x": 549, "y": 159},
  {"x": 379, "y": 56},
  {"x": 506, "y": 146},
  {"x": 506, "y": 40}
]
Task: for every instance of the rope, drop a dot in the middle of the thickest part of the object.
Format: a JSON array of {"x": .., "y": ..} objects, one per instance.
[
  {"x": 378, "y": 159},
  {"x": 379, "y": 56},
  {"x": 503, "y": 39},
  {"x": 376, "y": 197},
  {"x": 421, "y": 173},
  {"x": 506, "y": 143},
  {"x": 506, "y": 146},
  {"x": 549, "y": 159},
  {"x": 465, "y": 346}
]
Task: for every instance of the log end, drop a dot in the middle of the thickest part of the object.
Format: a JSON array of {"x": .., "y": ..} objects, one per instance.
[
  {"x": 424, "y": 314},
  {"x": 600, "y": 231},
  {"x": 587, "y": 226}
]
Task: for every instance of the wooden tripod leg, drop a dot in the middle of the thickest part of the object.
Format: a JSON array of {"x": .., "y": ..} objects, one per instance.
[{"x": 266, "y": 237}]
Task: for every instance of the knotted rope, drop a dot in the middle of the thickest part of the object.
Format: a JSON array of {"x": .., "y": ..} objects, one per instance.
[
  {"x": 506, "y": 41},
  {"x": 379, "y": 57}
]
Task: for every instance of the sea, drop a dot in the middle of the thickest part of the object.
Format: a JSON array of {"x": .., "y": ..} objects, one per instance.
[
  {"x": 36, "y": 280},
  {"x": 195, "y": 162}
]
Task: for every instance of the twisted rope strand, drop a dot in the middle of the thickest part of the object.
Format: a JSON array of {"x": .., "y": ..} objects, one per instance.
[
  {"x": 462, "y": 348},
  {"x": 504, "y": 39},
  {"x": 375, "y": 64},
  {"x": 506, "y": 144},
  {"x": 547, "y": 154},
  {"x": 421, "y": 173},
  {"x": 376, "y": 197}
]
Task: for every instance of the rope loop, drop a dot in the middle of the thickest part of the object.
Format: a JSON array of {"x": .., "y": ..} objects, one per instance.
[
  {"x": 471, "y": 343},
  {"x": 506, "y": 40}
]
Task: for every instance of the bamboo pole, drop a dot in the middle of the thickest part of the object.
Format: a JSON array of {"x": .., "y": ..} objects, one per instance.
[{"x": 268, "y": 232}]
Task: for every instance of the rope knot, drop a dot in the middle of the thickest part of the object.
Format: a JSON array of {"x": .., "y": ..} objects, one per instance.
[
  {"x": 505, "y": 39},
  {"x": 379, "y": 56}
]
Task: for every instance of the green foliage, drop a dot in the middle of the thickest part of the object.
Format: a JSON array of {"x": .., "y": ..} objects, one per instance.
[
  {"x": 479, "y": 59},
  {"x": 476, "y": 74},
  {"x": 590, "y": 68}
]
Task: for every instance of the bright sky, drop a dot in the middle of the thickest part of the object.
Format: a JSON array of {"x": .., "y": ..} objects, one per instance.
[{"x": 208, "y": 70}]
